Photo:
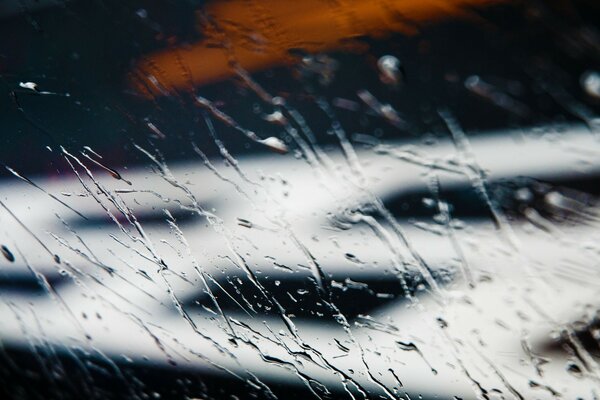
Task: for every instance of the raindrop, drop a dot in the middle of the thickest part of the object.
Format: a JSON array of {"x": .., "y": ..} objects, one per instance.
[
  {"x": 574, "y": 369},
  {"x": 523, "y": 194},
  {"x": 276, "y": 117},
  {"x": 278, "y": 101},
  {"x": 244, "y": 222},
  {"x": 352, "y": 257},
  {"x": 275, "y": 144},
  {"x": 442, "y": 322},
  {"x": 390, "y": 70},
  {"x": 142, "y": 13},
  {"x": 7, "y": 253},
  {"x": 158, "y": 134},
  {"x": 590, "y": 82},
  {"x": 29, "y": 85}
]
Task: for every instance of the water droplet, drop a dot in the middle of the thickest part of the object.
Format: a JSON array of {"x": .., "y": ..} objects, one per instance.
[
  {"x": 29, "y": 85},
  {"x": 7, "y": 253},
  {"x": 244, "y": 222},
  {"x": 590, "y": 82},
  {"x": 442, "y": 322},
  {"x": 157, "y": 133},
  {"x": 574, "y": 368},
  {"x": 276, "y": 117},
  {"x": 353, "y": 258},
  {"x": 142, "y": 13},
  {"x": 275, "y": 144},
  {"x": 523, "y": 194},
  {"x": 390, "y": 69}
]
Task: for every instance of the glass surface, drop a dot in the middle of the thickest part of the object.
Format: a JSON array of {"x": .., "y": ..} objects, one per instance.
[{"x": 311, "y": 199}]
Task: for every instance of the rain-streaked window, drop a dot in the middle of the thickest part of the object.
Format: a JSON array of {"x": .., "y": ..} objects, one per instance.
[{"x": 311, "y": 199}]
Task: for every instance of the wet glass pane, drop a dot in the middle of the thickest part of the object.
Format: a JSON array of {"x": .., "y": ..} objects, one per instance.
[{"x": 273, "y": 199}]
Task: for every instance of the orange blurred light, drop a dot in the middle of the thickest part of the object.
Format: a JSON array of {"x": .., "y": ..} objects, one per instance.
[{"x": 252, "y": 35}]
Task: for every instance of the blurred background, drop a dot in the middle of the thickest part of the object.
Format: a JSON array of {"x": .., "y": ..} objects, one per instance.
[
  {"x": 323, "y": 162},
  {"x": 533, "y": 53}
]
